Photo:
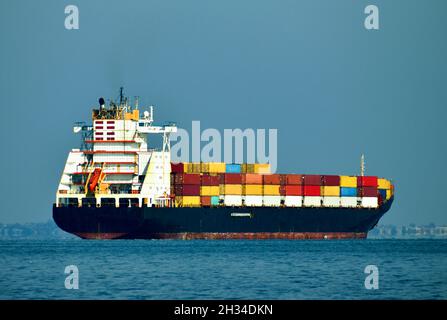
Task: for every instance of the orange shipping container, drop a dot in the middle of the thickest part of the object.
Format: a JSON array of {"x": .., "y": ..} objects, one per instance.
[
  {"x": 253, "y": 178},
  {"x": 206, "y": 201},
  {"x": 294, "y": 179},
  {"x": 272, "y": 179}
]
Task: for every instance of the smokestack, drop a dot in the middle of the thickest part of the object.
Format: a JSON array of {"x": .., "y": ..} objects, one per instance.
[{"x": 101, "y": 103}]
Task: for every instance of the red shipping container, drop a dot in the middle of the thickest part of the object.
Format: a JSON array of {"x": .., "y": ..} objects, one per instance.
[
  {"x": 191, "y": 178},
  {"x": 191, "y": 190},
  {"x": 177, "y": 167},
  {"x": 233, "y": 178},
  {"x": 312, "y": 180},
  {"x": 282, "y": 190},
  {"x": 253, "y": 178},
  {"x": 272, "y": 179},
  {"x": 178, "y": 190},
  {"x": 367, "y": 181},
  {"x": 368, "y": 192},
  {"x": 331, "y": 180},
  {"x": 294, "y": 179},
  {"x": 312, "y": 191},
  {"x": 209, "y": 180},
  {"x": 293, "y": 190},
  {"x": 205, "y": 201}
]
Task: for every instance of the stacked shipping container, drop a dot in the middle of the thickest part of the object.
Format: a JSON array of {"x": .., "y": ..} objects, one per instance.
[
  {"x": 253, "y": 190},
  {"x": 368, "y": 193},
  {"x": 271, "y": 190},
  {"x": 348, "y": 191},
  {"x": 330, "y": 191},
  {"x": 213, "y": 184},
  {"x": 312, "y": 190},
  {"x": 293, "y": 190}
]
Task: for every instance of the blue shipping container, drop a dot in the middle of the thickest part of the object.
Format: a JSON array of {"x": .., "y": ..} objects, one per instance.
[
  {"x": 233, "y": 168},
  {"x": 348, "y": 192},
  {"x": 382, "y": 193},
  {"x": 215, "y": 200}
]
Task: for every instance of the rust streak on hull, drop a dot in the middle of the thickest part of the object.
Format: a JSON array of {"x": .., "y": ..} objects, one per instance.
[{"x": 100, "y": 236}]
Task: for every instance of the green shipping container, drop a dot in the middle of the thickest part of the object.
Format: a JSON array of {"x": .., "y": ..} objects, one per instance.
[{"x": 215, "y": 200}]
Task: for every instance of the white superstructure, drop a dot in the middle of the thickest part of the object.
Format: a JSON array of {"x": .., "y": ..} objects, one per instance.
[{"x": 115, "y": 162}]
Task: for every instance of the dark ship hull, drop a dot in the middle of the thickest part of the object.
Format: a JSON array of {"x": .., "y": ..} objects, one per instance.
[{"x": 218, "y": 222}]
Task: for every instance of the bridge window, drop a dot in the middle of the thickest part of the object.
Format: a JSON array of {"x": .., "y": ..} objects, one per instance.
[
  {"x": 68, "y": 202},
  {"x": 107, "y": 202},
  {"x": 128, "y": 202},
  {"x": 89, "y": 202}
]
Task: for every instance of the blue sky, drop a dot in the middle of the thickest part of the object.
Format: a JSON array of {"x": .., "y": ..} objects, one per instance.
[{"x": 307, "y": 68}]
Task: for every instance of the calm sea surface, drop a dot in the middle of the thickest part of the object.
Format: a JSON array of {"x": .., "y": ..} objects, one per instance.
[{"x": 171, "y": 269}]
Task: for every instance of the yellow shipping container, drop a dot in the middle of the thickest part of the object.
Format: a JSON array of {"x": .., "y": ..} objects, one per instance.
[
  {"x": 232, "y": 189},
  {"x": 247, "y": 168},
  {"x": 204, "y": 167},
  {"x": 384, "y": 183},
  {"x": 187, "y": 167},
  {"x": 262, "y": 168},
  {"x": 348, "y": 181},
  {"x": 388, "y": 194},
  {"x": 271, "y": 190},
  {"x": 209, "y": 190},
  {"x": 253, "y": 189},
  {"x": 188, "y": 201},
  {"x": 216, "y": 167},
  {"x": 196, "y": 166},
  {"x": 330, "y": 191}
]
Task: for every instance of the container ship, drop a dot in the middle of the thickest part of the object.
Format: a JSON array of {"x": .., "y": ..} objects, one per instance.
[{"x": 116, "y": 187}]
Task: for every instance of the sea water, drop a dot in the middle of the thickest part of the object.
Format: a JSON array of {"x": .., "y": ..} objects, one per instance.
[{"x": 224, "y": 269}]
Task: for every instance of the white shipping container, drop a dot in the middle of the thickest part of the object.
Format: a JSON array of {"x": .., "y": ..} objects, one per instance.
[
  {"x": 253, "y": 201},
  {"x": 312, "y": 201},
  {"x": 272, "y": 201},
  {"x": 233, "y": 200},
  {"x": 331, "y": 201},
  {"x": 348, "y": 202},
  {"x": 370, "y": 202},
  {"x": 293, "y": 201}
]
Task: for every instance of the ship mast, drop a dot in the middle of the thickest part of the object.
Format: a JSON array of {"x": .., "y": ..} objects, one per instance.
[
  {"x": 362, "y": 165},
  {"x": 121, "y": 95}
]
